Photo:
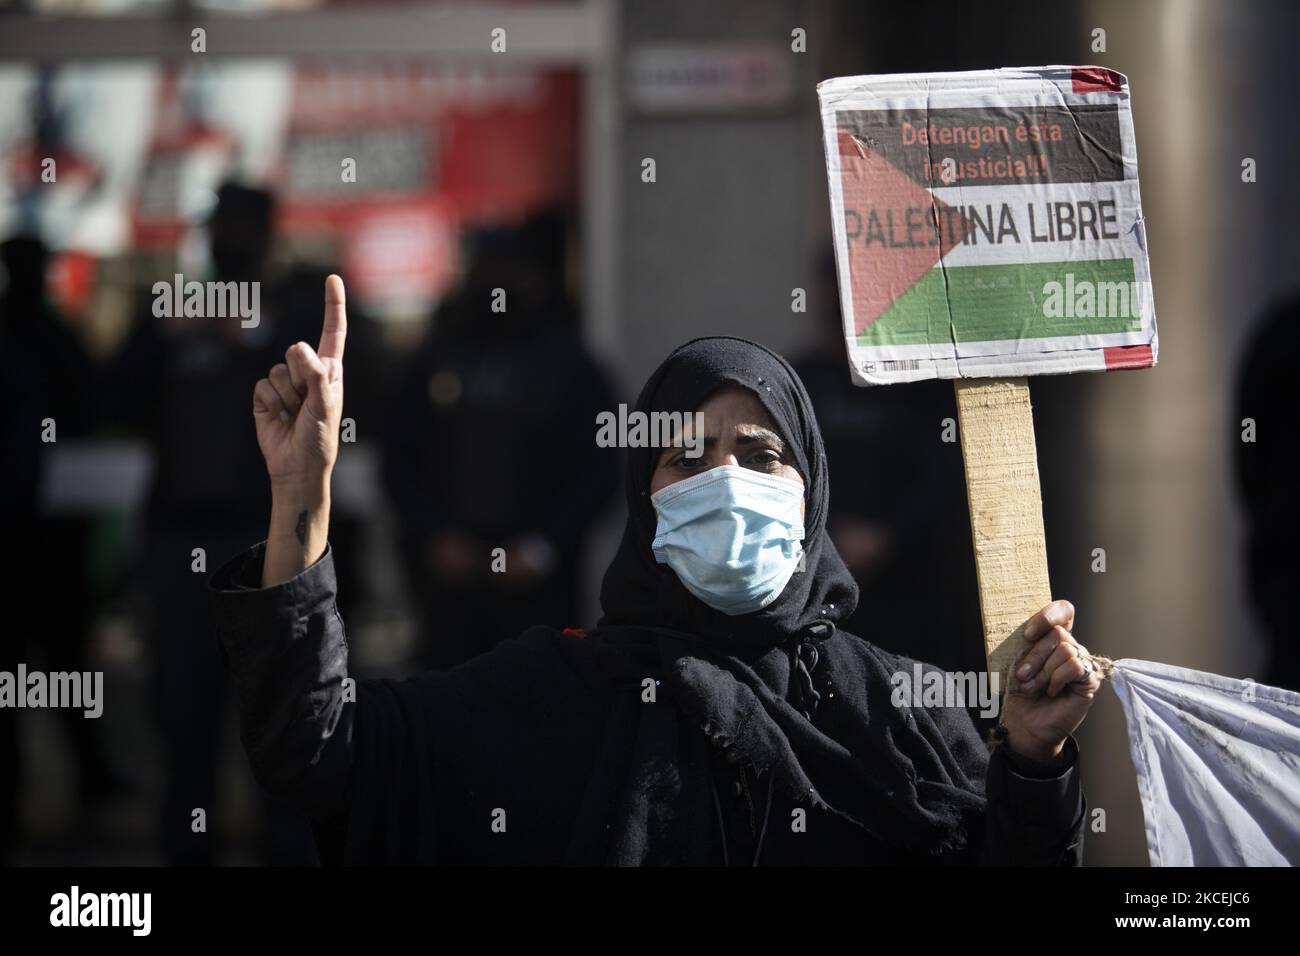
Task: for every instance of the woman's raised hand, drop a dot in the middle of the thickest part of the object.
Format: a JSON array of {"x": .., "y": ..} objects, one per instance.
[
  {"x": 299, "y": 405},
  {"x": 298, "y": 408}
]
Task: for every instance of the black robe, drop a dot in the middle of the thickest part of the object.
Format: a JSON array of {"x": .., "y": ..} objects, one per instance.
[
  {"x": 416, "y": 770},
  {"x": 669, "y": 734}
]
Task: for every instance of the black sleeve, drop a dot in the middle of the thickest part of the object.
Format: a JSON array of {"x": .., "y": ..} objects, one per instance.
[
  {"x": 354, "y": 756},
  {"x": 1032, "y": 814},
  {"x": 393, "y": 771},
  {"x": 1035, "y": 814},
  {"x": 286, "y": 651}
]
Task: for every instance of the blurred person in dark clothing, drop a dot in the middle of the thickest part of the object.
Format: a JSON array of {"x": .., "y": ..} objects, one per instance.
[
  {"x": 1266, "y": 483},
  {"x": 181, "y": 381},
  {"x": 488, "y": 396},
  {"x": 898, "y": 518},
  {"x": 44, "y": 374}
]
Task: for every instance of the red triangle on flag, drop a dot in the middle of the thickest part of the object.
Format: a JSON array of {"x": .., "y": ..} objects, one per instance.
[{"x": 897, "y": 229}]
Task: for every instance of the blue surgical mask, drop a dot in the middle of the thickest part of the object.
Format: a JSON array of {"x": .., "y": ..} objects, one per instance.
[{"x": 732, "y": 535}]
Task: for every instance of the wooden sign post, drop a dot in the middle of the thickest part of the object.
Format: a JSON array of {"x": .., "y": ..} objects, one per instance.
[
  {"x": 988, "y": 227},
  {"x": 996, "y": 424}
]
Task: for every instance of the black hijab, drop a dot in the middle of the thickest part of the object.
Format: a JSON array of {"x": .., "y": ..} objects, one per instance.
[
  {"x": 636, "y": 590},
  {"x": 751, "y": 683}
]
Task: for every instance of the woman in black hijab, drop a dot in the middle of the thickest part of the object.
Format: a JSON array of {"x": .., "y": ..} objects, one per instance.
[{"x": 715, "y": 715}]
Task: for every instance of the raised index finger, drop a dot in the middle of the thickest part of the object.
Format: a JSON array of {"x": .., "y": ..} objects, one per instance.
[{"x": 334, "y": 332}]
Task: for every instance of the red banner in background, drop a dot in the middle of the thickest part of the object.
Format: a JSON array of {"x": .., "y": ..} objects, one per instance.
[
  {"x": 387, "y": 162},
  {"x": 397, "y": 257}
]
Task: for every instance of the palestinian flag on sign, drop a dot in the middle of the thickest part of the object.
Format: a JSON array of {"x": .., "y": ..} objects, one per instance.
[{"x": 987, "y": 223}]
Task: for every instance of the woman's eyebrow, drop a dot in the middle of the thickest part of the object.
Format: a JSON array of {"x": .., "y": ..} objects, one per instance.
[{"x": 751, "y": 436}]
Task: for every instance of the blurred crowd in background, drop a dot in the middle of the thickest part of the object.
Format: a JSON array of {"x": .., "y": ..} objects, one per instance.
[{"x": 474, "y": 428}]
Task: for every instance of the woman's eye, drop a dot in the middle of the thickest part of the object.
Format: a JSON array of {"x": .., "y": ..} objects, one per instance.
[
  {"x": 688, "y": 463},
  {"x": 767, "y": 458}
]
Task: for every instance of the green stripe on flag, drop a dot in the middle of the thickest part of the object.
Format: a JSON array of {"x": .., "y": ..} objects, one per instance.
[{"x": 998, "y": 302}]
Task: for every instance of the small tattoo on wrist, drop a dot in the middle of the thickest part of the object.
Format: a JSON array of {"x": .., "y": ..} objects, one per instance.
[{"x": 301, "y": 529}]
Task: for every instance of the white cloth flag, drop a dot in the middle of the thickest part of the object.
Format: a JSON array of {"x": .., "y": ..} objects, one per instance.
[{"x": 1218, "y": 765}]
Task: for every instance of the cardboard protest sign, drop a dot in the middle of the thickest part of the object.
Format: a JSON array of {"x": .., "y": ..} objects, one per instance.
[
  {"x": 988, "y": 227},
  {"x": 987, "y": 224}
]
